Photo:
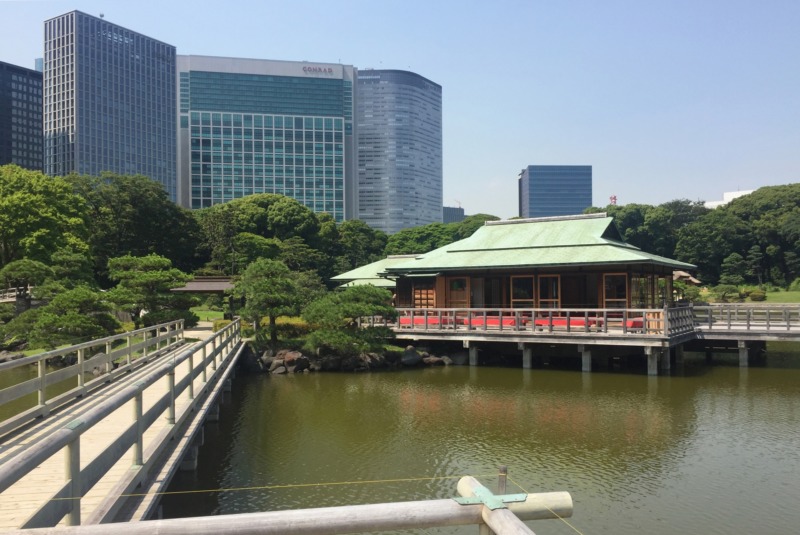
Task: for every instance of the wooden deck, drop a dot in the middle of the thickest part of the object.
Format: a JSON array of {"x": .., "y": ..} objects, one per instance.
[
  {"x": 95, "y": 450},
  {"x": 643, "y": 327}
]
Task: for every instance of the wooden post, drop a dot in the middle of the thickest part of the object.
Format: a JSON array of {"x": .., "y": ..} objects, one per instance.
[
  {"x": 138, "y": 444},
  {"x": 652, "y": 360},
  {"x": 473, "y": 355},
  {"x": 744, "y": 354},
  {"x": 72, "y": 473}
]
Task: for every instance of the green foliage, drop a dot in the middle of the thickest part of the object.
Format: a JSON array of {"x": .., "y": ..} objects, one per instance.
[
  {"x": 189, "y": 318},
  {"x": 795, "y": 285},
  {"x": 6, "y": 313},
  {"x": 421, "y": 239},
  {"x": 758, "y": 295},
  {"x": 38, "y": 214},
  {"x": 271, "y": 289},
  {"x": 133, "y": 216},
  {"x": 733, "y": 270},
  {"x": 335, "y": 320},
  {"x": 220, "y": 324},
  {"x": 725, "y": 293},
  {"x": 71, "y": 317},
  {"x": 359, "y": 245},
  {"x": 145, "y": 283},
  {"x": 24, "y": 273}
]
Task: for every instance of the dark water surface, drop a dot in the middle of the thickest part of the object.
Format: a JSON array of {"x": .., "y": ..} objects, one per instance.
[{"x": 708, "y": 450}]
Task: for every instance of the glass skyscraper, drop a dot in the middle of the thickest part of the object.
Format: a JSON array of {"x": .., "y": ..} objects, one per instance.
[
  {"x": 399, "y": 119},
  {"x": 554, "y": 190},
  {"x": 260, "y": 126},
  {"x": 20, "y": 116},
  {"x": 109, "y": 100}
]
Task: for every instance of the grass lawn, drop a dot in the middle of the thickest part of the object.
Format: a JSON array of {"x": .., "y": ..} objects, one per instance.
[
  {"x": 207, "y": 315},
  {"x": 783, "y": 297}
]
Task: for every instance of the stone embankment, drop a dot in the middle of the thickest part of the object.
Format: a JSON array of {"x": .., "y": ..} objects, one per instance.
[{"x": 286, "y": 361}]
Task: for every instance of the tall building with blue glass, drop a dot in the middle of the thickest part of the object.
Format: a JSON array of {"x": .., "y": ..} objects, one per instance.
[
  {"x": 399, "y": 116},
  {"x": 109, "y": 100},
  {"x": 251, "y": 126},
  {"x": 20, "y": 116},
  {"x": 554, "y": 190}
]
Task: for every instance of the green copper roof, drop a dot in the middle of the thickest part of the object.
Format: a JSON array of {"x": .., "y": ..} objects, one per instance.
[
  {"x": 368, "y": 274},
  {"x": 562, "y": 241}
]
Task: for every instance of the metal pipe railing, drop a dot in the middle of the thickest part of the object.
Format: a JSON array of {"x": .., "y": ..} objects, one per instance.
[{"x": 347, "y": 519}]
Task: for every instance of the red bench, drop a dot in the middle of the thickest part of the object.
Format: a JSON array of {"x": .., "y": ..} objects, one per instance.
[
  {"x": 493, "y": 321},
  {"x": 420, "y": 320}
]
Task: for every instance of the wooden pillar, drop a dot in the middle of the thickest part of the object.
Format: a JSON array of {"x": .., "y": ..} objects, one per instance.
[
  {"x": 586, "y": 358},
  {"x": 527, "y": 356},
  {"x": 744, "y": 354},
  {"x": 213, "y": 413},
  {"x": 473, "y": 355}
]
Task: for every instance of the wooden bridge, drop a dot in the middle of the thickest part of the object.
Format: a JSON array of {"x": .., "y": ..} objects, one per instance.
[
  {"x": 91, "y": 441},
  {"x": 658, "y": 332}
]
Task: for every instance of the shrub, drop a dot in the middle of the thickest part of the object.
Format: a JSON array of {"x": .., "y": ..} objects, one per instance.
[
  {"x": 795, "y": 285},
  {"x": 189, "y": 318},
  {"x": 758, "y": 295},
  {"x": 219, "y": 324}
]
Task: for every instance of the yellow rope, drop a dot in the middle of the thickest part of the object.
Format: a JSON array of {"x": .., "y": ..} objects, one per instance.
[
  {"x": 564, "y": 520},
  {"x": 289, "y": 486}
]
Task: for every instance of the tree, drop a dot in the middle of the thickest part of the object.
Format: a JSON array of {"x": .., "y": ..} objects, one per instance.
[
  {"x": 360, "y": 245},
  {"x": 144, "y": 284},
  {"x": 271, "y": 289},
  {"x": 71, "y": 317},
  {"x": 38, "y": 214},
  {"x": 289, "y": 218},
  {"x": 336, "y": 320},
  {"x": 471, "y": 223},
  {"x": 133, "y": 215},
  {"x": 733, "y": 269},
  {"x": 22, "y": 274},
  {"x": 754, "y": 267},
  {"x": 421, "y": 239}
]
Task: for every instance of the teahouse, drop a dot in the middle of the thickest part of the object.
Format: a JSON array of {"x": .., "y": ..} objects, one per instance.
[{"x": 545, "y": 263}]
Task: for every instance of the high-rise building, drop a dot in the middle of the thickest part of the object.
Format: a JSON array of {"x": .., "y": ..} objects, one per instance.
[
  {"x": 399, "y": 117},
  {"x": 20, "y": 116},
  {"x": 261, "y": 126},
  {"x": 452, "y": 214},
  {"x": 554, "y": 190},
  {"x": 109, "y": 100}
]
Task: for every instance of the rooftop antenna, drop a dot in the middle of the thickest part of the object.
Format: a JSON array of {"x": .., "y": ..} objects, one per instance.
[{"x": 101, "y": 15}]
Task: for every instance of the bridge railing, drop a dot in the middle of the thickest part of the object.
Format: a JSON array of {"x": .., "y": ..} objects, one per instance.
[
  {"x": 543, "y": 321},
  {"x": 747, "y": 317},
  {"x": 215, "y": 354},
  {"x": 88, "y": 365}
]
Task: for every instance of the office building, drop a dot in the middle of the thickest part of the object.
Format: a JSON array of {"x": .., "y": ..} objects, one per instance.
[
  {"x": 109, "y": 100},
  {"x": 452, "y": 214},
  {"x": 20, "y": 116},
  {"x": 554, "y": 190},
  {"x": 251, "y": 126},
  {"x": 399, "y": 118}
]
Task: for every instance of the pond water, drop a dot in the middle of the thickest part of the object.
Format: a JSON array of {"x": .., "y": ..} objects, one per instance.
[{"x": 709, "y": 449}]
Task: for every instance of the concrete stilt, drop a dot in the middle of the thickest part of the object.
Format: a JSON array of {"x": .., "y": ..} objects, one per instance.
[
  {"x": 652, "y": 360},
  {"x": 227, "y": 386},
  {"x": 586, "y": 358},
  {"x": 680, "y": 356},
  {"x": 744, "y": 354},
  {"x": 473, "y": 356},
  {"x": 213, "y": 413},
  {"x": 527, "y": 357},
  {"x": 664, "y": 359},
  {"x": 189, "y": 461}
]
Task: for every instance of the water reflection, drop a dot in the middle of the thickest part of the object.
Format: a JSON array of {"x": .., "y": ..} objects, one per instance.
[{"x": 639, "y": 454}]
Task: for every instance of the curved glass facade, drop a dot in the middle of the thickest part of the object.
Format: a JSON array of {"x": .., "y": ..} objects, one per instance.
[{"x": 399, "y": 118}]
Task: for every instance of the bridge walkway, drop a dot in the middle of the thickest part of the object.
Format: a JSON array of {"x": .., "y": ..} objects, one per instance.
[{"x": 116, "y": 434}]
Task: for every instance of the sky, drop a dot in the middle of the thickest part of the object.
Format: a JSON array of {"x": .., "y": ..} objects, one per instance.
[{"x": 664, "y": 99}]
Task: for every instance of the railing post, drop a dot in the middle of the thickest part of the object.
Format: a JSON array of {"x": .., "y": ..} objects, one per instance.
[
  {"x": 72, "y": 473},
  {"x": 191, "y": 375},
  {"x": 81, "y": 371},
  {"x": 109, "y": 364},
  {"x": 144, "y": 343},
  {"x": 214, "y": 353},
  {"x": 171, "y": 386},
  {"x": 138, "y": 444},
  {"x": 129, "y": 344},
  {"x": 42, "y": 368},
  {"x": 204, "y": 364}
]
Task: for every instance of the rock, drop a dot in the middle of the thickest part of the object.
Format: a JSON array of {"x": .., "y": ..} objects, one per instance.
[
  {"x": 330, "y": 363},
  {"x": 276, "y": 363},
  {"x": 279, "y": 370},
  {"x": 433, "y": 361},
  {"x": 410, "y": 357},
  {"x": 447, "y": 360}
]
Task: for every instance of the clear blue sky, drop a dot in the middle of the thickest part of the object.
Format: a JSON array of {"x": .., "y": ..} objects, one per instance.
[{"x": 665, "y": 99}]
